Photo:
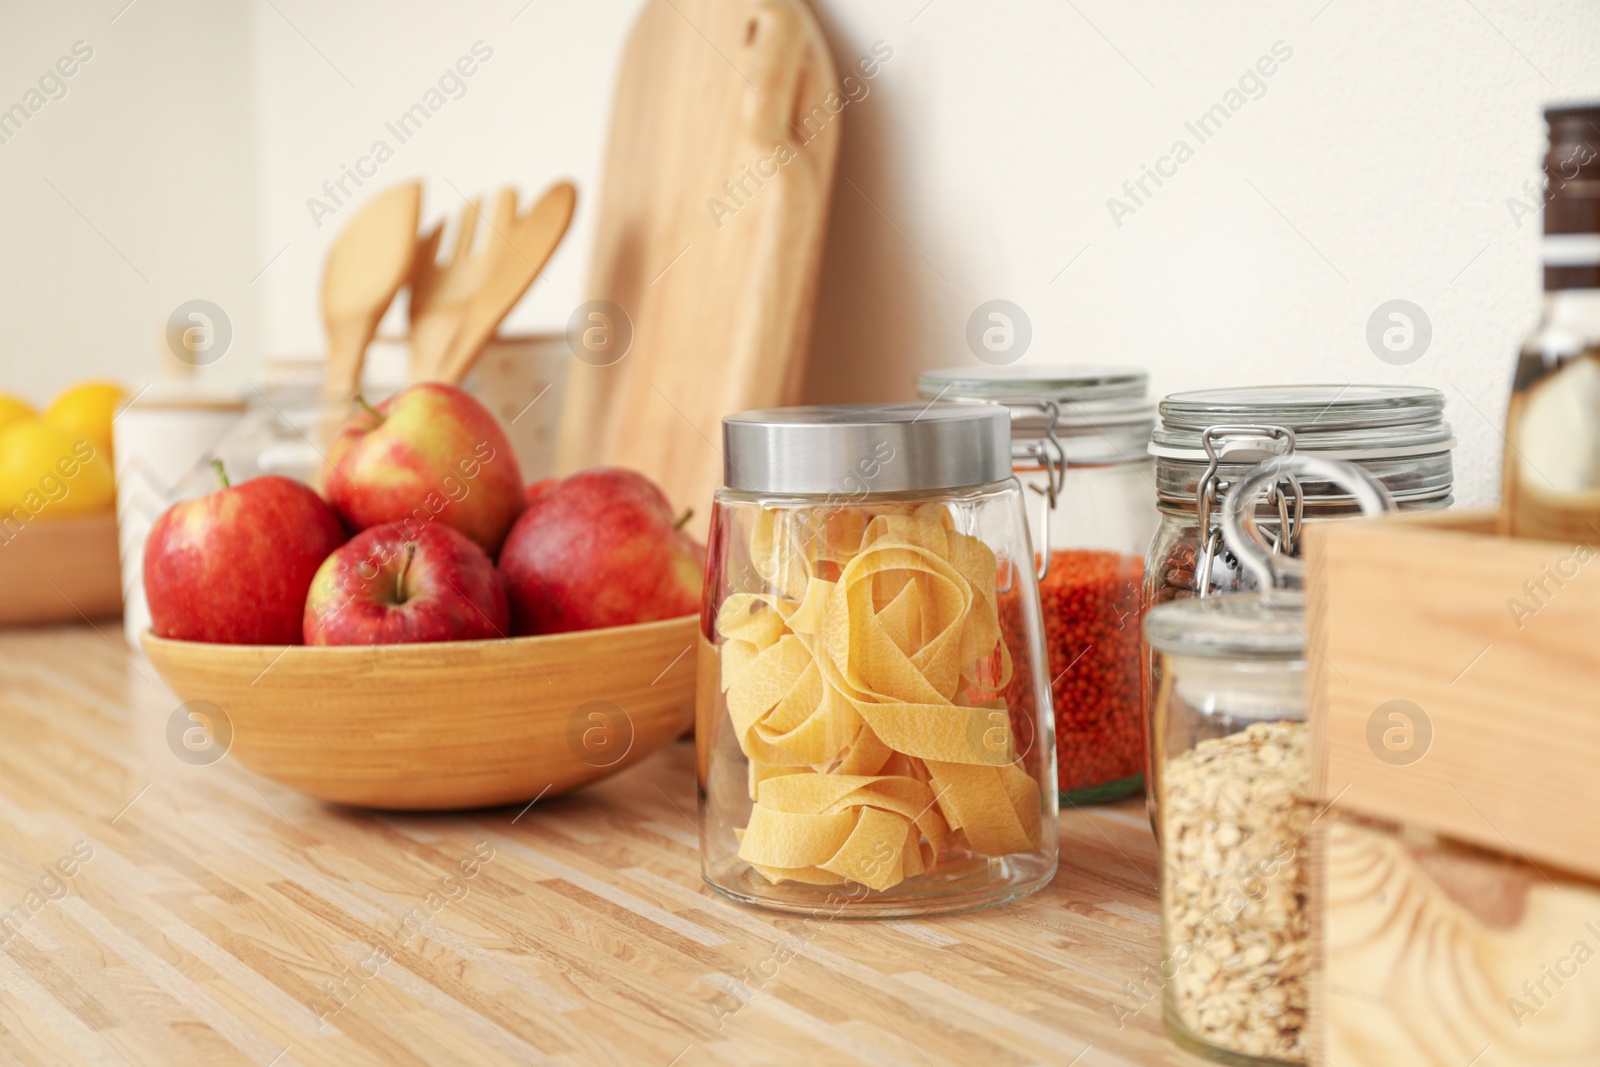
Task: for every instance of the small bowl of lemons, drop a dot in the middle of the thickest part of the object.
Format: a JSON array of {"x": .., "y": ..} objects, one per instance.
[
  {"x": 58, "y": 464},
  {"x": 58, "y": 527}
]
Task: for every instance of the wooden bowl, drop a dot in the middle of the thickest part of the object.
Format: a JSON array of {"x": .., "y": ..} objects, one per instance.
[{"x": 457, "y": 724}]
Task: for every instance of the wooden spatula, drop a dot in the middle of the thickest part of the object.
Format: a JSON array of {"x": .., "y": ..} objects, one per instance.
[
  {"x": 440, "y": 292},
  {"x": 366, "y": 266},
  {"x": 520, "y": 252}
]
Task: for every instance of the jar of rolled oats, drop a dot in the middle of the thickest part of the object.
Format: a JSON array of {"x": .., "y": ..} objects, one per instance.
[
  {"x": 1232, "y": 789},
  {"x": 1208, "y": 440}
]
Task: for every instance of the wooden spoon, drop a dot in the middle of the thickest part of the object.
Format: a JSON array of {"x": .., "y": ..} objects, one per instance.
[
  {"x": 520, "y": 252},
  {"x": 366, "y": 266},
  {"x": 439, "y": 293}
]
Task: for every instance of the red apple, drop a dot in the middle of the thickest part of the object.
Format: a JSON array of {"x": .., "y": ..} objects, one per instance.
[
  {"x": 537, "y": 488},
  {"x": 430, "y": 453},
  {"x": 233, "y": 566},
  {"x": 601, "y": 548},
  {"x": 390, "y": 586}
]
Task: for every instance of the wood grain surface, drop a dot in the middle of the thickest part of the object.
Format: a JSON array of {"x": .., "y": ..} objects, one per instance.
[
  {"x": 1439, "y": 956},
  {"x": 59, "y": 570},
  {"x": 161, "y": 912},
  {"x": 435, "y": 726},
  {"x": 725, "y": 129},
  {"x": 1472, "y": 659}
]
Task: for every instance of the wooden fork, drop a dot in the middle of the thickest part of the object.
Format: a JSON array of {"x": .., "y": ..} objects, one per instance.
[{"x": 440, "y": 292}]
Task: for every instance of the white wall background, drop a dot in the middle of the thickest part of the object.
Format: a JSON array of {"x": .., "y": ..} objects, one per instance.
[
  {"x": 132, "y": 193},
  {"x": 1377, "y": 165}
]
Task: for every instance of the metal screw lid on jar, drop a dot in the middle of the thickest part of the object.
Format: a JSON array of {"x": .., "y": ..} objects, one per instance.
[{"x": 873, "y": 448}]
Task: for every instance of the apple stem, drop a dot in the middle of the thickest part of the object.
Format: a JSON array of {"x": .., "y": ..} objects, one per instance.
[
  {"x": 683, "y": 520},
  {"x": 400, "y": 579},
  {"x": 222, "y": 475},
  {"x": 368, "y": 408}
]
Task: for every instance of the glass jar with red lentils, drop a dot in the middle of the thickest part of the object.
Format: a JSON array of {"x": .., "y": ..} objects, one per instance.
[{"x": 1079, "y": 438}]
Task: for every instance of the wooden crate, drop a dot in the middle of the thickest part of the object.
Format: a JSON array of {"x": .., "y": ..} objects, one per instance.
[
  {"x": 59, "y": 570},
  {"x": 1429, "y": 953},
  {"x": 1455, "y": 710}
]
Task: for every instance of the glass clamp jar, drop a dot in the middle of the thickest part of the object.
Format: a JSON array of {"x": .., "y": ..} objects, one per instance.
[
  {"x": 872, "y": 731},
  {"x": 1232, "y": 776},
  {"x": 1079, "y": 435},
  {"x": 1231, "y": 442},
  {"x": 1209, "y": 439}
]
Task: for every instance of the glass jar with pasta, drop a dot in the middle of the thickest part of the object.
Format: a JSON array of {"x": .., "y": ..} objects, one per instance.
[{"x": 873, "y": 729}]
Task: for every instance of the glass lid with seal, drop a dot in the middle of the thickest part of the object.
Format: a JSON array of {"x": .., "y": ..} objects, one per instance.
[
  {"x": 1306, "y": 406},
  {"x": 1397, "y": 432},
  {"x": 1242, "y": 626},
  {"x": 1336, "y": 421},
  {"x": 1089, "y": 413},
  {"x": 1034, "y": 381}
]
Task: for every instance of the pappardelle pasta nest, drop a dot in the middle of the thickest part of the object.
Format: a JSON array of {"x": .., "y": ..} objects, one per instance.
[{"x": 866, "y": 686}]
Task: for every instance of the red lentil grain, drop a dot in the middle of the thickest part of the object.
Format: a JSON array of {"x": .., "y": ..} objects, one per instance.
[{"x": 1092, "y": 608}]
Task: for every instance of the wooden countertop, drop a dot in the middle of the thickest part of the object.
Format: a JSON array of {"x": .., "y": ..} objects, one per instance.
[{"x": 213, "y": 917}]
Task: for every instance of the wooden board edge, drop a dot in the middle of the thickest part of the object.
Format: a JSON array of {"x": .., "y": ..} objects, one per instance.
[{"x": 819, "y": 61}]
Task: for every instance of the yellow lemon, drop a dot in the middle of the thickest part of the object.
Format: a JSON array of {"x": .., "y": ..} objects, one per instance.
[
  {"x": 86, "y": 411},
  {"x": 48, "y": 472},
  {"x": 14, "y": 409}
]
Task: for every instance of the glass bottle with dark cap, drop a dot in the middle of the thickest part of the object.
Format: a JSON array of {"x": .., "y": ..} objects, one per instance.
[{"x": 1551, "y": 486}]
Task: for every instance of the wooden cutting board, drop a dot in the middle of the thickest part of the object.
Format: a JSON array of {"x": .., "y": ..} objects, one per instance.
[{"x": 709, "y": 238}]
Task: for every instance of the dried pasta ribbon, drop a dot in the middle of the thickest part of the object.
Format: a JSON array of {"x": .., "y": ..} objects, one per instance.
[
  {"x": 782, "y": 712},
  {"x": 996, "y": 807},
  {"x": 829, "y": 828},
  {"x": 866, "y": 694}
]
